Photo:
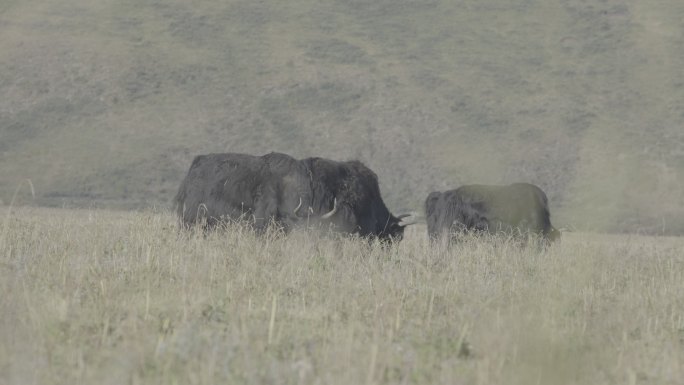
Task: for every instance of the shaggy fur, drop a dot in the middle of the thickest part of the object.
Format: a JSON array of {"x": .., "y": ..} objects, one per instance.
[
  {"x": 361, "y": 209},
  {"x": 270, "y": 188}
]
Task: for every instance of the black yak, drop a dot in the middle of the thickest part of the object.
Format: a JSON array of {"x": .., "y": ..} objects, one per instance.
[{"x": 277, "y": 188}]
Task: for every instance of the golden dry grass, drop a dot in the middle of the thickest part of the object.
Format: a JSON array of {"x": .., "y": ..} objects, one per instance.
[{"x": 111, "y": 297}]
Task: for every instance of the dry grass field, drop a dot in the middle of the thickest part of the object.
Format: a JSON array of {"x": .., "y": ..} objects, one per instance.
[{"x": 118, "y": 297}]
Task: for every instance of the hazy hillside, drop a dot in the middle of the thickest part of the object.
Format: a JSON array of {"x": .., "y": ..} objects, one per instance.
[{"x": 106, "y": 102}]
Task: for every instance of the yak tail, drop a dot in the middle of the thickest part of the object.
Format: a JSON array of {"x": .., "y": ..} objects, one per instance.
[{"x": 179, "y": 201}]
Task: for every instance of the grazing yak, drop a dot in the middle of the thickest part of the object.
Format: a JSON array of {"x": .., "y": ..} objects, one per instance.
[
  {"x": 281, "y": 189},
  {"x": 518, "y": 210}
]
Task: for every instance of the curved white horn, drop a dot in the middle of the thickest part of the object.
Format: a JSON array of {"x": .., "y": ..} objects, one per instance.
[
  {"x": 404, "y": 223},
  {"x": 411, "y": 219},
  {"x": 332, "y": 212},
  {"x": 298, "y": 206}
]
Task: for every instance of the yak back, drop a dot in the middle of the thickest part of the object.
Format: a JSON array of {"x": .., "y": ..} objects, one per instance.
[
  {"x": 227, "y": 185},
  {"x": 522, "y": 206}
]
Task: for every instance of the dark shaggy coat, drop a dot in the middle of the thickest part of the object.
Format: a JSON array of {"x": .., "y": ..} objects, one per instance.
[
  {"x": 276, "y": 188},
  {"x": 231, "y": 186},
  {"x": 354, "y": 186}
]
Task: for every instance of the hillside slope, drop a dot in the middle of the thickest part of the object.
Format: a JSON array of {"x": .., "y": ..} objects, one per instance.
[{"x": 105, "y": 103}]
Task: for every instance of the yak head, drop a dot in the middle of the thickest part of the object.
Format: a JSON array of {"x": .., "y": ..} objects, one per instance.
[
  {"x": 372, "y": 222},
  {"x": 394, "y": 228}
]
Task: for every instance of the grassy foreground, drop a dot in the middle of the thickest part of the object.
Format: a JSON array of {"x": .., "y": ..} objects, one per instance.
[{"x": 111, "y": 297}]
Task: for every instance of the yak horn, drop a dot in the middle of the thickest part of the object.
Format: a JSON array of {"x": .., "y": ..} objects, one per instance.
[
  {"x": 332, "y": 212},
  {"x": 412, "y": 219},
  {"x": 298, "y": 206}
]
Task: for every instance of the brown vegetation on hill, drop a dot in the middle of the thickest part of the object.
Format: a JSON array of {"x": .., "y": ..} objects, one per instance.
[{"x": 105, "y": 103}]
